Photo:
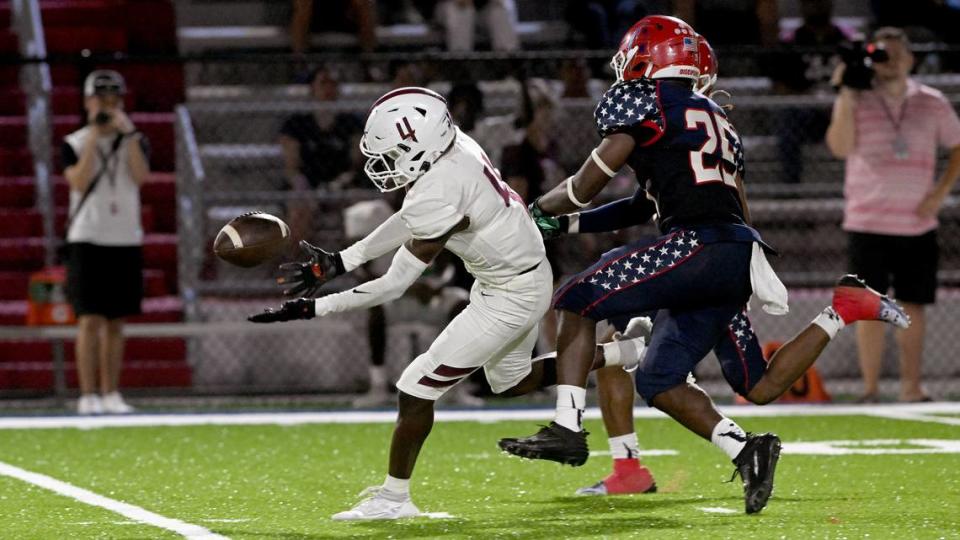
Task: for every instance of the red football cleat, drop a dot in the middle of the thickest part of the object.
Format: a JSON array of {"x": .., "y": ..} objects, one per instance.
[
  {"x": 854, "y": 301},
  {"x": 628, "y": 476}
]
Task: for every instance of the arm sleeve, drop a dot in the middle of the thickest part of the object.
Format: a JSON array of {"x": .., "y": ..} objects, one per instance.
[
  {"x": 949, "y": 128},
  {"x": 618, "y": 214},
  {"x": 404, "y": 270},
  {"x": 390, "y": 235},
  {"x": 68, "y": 157},
  {"x": 430, "y": 218}
]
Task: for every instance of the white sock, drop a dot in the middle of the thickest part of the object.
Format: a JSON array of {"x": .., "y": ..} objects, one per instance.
[
  {"x": 624, "y": 446},
  {"x": 625, "y": 352},
  {"x": 729, "y": 437},
  {"x": 378, "y": 379},
  {"x": 396, "y": 489},
  {"x": 830, "y": 321},
  {"x": 571, "y": 400}
]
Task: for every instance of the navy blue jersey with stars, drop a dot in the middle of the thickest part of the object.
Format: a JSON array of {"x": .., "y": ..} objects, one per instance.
[{"x": 687, "y": 152}]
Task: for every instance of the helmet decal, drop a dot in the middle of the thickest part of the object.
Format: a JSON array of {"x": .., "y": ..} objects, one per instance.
[{"x": 410, "y": 133}]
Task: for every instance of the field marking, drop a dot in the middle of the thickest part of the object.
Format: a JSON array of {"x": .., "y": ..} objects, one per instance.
[
  {"x": 865, "y": 447},
  {"x": 917, "y": 417},
  {"x": 129, "y": 511},
  {"x": 912, "y": 411},
  {"x": 717, "y": 510},
  {"x": 871, "y": 447},
  {"x": 436, "y": 515}
]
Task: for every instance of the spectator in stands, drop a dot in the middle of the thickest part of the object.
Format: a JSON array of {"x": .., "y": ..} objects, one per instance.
[
  {"x": 732, "y": 22},
  {"x": 889, "y": 137},
  {"x": 316, "y": 148},
  {"x": 404, "y": 73},
  {"x": 465, "y": 102},
  {"x": 105, "y": 163},
  {"x": 796, "y": 72},
  {"x": 354, "y": 16},
  {"x": 405, "y": 11},
  {"x": 530, "y": 167},
  {"x": 459, "y": 20},
  {"x": 603, "y": 22},
  {"x": 575, "y": 75}
]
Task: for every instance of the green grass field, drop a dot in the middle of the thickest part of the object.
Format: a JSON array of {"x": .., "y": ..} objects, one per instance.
[{"x": 284, "y": 482}]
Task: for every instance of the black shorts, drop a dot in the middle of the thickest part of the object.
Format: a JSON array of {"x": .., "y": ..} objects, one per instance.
[
  {"x": 908, "y": 263},
  {"x": 105, "y": 280}
]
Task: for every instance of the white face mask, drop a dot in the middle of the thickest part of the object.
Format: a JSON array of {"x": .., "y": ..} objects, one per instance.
[{"x": 381, "y": 168}]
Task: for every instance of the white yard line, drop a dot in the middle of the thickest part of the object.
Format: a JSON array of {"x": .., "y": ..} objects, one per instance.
[
  {"x": 916, "y": 412},
  {"x": 917, "y": 417},
  {"x": 135, "y": 513}
]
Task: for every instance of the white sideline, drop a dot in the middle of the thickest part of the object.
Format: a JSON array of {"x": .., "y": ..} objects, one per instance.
[
  {"x": 907, "y": 412},
  {"x": 135, "y": 513}
]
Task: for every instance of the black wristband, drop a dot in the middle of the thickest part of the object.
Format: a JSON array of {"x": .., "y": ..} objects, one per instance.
[{"x": 338, "y": 264}]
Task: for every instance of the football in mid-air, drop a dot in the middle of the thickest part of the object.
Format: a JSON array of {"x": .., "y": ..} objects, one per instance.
[{"x": 251, "y": 239}]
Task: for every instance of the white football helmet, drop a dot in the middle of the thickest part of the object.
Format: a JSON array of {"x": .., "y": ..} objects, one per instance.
[{"x": 407, "y": 130}]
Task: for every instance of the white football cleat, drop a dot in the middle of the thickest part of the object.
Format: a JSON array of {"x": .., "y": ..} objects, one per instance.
[
  {"x": 376, "y": 506},
  {"x": 113, "y": 403},
  {"x": 89, "y": 404}
]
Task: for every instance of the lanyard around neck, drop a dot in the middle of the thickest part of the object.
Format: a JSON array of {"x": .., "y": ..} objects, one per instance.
[{"x": 903, "y": 111}]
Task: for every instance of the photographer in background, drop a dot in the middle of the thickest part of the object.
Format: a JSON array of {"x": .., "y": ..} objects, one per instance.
[
  {"x": 105, "y": 163},
  {"x": 888, "y": 127}
]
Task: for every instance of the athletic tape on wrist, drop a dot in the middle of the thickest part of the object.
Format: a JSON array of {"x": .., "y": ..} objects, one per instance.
[
  {"x": 603, "y": 166},
  {"x": 572, "y": 197}
]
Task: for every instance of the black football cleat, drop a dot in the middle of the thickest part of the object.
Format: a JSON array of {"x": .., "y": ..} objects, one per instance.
[
  {"x": 756, "y": 464},
  {"x": 552, "y": 443}
]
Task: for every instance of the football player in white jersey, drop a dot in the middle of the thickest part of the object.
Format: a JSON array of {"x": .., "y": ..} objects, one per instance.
[{"x": 454, "y": 200}]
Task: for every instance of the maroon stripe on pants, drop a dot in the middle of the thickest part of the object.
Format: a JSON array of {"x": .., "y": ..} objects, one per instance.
[
  {"x": 433, "y": 383},
  {"x": 444, "y": 370}
]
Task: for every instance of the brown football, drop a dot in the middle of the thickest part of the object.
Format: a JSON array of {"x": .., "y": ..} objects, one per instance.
[{"x": 252, "y": 239}]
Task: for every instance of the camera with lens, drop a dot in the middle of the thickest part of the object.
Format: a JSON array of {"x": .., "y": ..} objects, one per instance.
[
  {"x": 102, "y": 118},
  {"x": 859, "y": 59}
]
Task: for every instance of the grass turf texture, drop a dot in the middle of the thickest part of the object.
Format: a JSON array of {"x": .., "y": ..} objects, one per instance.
[{"x": 285, "y": 482}]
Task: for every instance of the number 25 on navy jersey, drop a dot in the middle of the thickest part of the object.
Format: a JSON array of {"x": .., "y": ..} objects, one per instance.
[{"x": 687, "y": 152}]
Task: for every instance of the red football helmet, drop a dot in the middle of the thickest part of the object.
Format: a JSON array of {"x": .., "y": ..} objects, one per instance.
[
  {"x": 658, "y": 47},
  {"x": 708, "y": 68}
]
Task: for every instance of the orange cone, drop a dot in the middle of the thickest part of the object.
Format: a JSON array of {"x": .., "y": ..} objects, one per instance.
[{"x": 808, "y": 388}]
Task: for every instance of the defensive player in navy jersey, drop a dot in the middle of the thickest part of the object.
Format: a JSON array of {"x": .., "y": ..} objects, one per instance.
[
  {"x": 615, "y": 388},
  {"x": 698, "y": 276}
]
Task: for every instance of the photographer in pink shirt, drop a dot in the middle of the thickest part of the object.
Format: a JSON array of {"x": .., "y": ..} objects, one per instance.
[{"x": 889, "y": 135}]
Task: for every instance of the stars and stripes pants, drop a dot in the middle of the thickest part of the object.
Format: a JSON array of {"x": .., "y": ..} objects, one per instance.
[{"x": 699, "y": 291}]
